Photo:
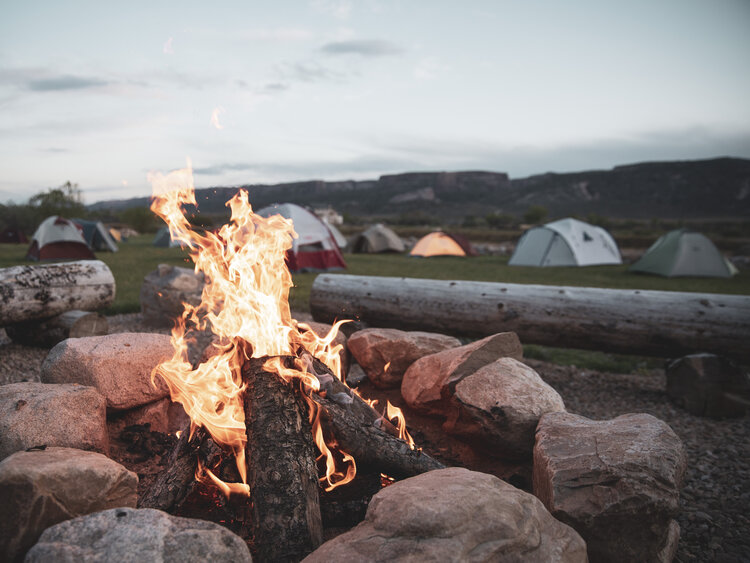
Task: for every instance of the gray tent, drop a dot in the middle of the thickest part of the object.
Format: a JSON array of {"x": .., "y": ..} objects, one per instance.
[
  {"x": 164, "y": 239},
  {"x": 567, "y": 242},
  {"x": 684, "y": 253},
  {"x": 378, "y": 238},
  {"x": 97, "y": 236}
]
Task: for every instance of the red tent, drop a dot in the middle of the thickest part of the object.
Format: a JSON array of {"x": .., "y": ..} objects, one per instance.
[{"x": 58, "y": 238}]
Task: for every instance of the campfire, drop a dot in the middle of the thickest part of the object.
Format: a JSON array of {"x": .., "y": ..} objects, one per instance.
[{"x": 273, "y": 426}]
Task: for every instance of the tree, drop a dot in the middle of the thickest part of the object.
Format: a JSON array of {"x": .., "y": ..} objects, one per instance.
[
  {"x": 535, "y": 214},
  {"x": 141, "y": 219},
  {"x": 65, "y": 200}
]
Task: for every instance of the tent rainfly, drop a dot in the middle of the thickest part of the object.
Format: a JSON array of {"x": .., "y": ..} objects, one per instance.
[
  {"x": 97, "y": 236},
  {"x": 315, "y": 248},
  {"x": 378, "y": 238},
  {"x": 684, "y": 253},
  {"x": 442, "y": 244},
  {"x": 58, "y": 238},
  {"x": 567, "y": 242}
]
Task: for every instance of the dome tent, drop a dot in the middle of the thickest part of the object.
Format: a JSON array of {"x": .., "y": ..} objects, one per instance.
[
  {"x": 439, "y": 243},
  {"x": 567, "y": 242},
  {"x": 97, "y": 236},
  {"x": 684, "y": 253},
  {"x": 58, "y": 238},
  {"x": 315, "y": 248},
  {"x": 377, "y": 238}
]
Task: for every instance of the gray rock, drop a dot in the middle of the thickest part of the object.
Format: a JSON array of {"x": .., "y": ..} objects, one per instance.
[
  {"x": 386, "y": 353},
  {"x": 423, "y": 382},
  {"x": 615, "y": 481},
  {"x": 497, "y": 407},
  {"x": 137, "y": 535},
  {"x": 41, "y": 488},
  {"x": 709, "y": 385},
  {"x": 163, "y": 292},
  {"x": 119, "y": 366},
  {"x": 155, "y": 414},
  {"x": 38, "y": 414},
  {"x": 454, "y": 515}
]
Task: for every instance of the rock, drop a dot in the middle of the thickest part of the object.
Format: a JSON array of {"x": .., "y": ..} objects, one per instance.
[
  {"x": 42, "y": 488},
  {"x": 708, "y": 385},
  {"x": 376, "y": 348},
  {"x": 119, "y": 366},
  {"x": 155, "y": 414},
  {"x": 163, "y": 292},
  {"x": 129, "y": 534},
  {"x": 322, "y": 330},
  {"x": 615, "y": 481},
  {"x": 356, "y": 375},
  {"x": 454, "y": 515},
  {"x": 37, "y": 414},
  {"x": 423, "y": 381},
  {"x": 497, "y": 407}
]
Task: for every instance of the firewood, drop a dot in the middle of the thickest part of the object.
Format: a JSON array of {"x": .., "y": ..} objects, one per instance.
[
  {"x": 45, "y": 291},
  {"x": 46, "y": 333}
]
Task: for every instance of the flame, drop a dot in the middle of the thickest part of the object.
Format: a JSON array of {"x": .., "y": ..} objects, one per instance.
[
  {"x": 245, "y": 305},
  {"x": 386, "y": 367},
  {"x": 392, "y": 412}
]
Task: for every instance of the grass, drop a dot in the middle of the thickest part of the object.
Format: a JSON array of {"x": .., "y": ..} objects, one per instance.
[{"x": 137, "y": 257}]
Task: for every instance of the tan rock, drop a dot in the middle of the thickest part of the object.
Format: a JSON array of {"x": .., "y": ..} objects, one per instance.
[
  {"x": 424, "y": 380},
  {"x": 41, "y": 488},
  {"x": 376, "y": 348},
  {"x": 454, "y": 515},
  {"x": 39, "y": 414},
  {"x": 119, "y": 366},
  {"x": 615, "y": 481},
  {"x": 164, "y": 291}
]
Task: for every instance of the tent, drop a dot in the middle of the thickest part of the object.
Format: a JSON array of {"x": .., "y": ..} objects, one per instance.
[
  {"x": 58, "y": 238},
  {"x": 567, "y": 242},
  {"x": 164, "y": 239},
  {"x": 378, "y": 238},
  {"x": 337, "y": 236},
  {"x": 12, "y": 235},
  {"x": 97, "y": 236},
  {"x": 684, "y": 253},
  {"x": 442, "y": 244},
  {"x": 315, "y": 248}
]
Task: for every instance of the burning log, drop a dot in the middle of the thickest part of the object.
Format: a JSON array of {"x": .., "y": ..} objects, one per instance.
[
  {"x": 44, "y": 291},
  {"x": 659, "y": 323},
  {"x": 48, "y": 332}
]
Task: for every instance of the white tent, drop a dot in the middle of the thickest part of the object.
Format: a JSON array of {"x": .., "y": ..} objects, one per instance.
[
  {"x": 567, "y": 242},
  {"x": 315, "y": 248},
  {"x": 58, "y": 238},
  {"x": 337, "y": 235}
]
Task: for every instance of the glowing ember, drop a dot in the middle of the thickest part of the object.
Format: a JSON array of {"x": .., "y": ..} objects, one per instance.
[{"x": 245, "y": 305}]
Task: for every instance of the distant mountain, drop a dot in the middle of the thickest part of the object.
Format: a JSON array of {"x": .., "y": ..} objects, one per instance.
[{"x": 682, "y": 189}]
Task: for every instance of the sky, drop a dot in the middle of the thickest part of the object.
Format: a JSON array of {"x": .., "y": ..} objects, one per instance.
[{"x": 101, "y": 93}]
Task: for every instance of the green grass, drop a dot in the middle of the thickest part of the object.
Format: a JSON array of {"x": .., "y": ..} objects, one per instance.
[{"x": 137, "y": 257}]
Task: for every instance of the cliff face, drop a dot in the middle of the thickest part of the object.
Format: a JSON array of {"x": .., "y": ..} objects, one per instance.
[{"x": 689, "y": 189}]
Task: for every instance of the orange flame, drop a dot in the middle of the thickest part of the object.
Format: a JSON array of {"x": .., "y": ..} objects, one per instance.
[
  {"x": 394, "y": 413},
  {"x": 245, "y": 305}
]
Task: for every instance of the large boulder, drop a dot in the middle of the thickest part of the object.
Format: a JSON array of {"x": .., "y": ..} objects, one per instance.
[
  {"x": 119, "y": 366},
  {"x": 615, "y": 481},
  {"x": 163, "y": 292},
  {"x": 498, "y": 407},
  {"x": 41, "y": 488},
  {"x": 454, "y": 515},
  {"x": 128, "y": 534},
  {"x": 708, "y": 385},
  {"x": 386, "y": 353},
  {"x": 424, "y": 380},
  {"x": 38, "y": 414}
]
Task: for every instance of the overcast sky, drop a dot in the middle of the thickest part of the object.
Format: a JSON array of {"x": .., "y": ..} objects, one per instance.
[{"x": 100, "y": 93}]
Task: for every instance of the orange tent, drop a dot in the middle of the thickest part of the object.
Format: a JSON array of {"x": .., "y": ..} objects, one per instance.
[{"x": 442, "y": 244}]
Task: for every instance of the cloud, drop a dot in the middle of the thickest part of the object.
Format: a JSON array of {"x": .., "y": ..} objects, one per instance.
[
  {"x": 339, "y": 9},
  {"x": 363, "y": 47},
  {"x": 308, "y": 71},
  {"x": 168, "y": 48},
  {"x": 429, "y": 68},
  {"x": 64, "y": 82}
]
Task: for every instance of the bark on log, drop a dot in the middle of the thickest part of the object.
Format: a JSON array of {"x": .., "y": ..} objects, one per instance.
[
  {"x": 46, "y": 333},
  {"x": 282, "y": 474},
  {"x": 45, "y": 291},
  {"x": 658, "y": 323},
  {"x": 363, "y": 433}
]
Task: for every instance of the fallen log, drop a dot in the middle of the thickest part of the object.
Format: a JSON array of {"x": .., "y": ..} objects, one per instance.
[
  {"x": 45, "y": 291},
  {"x": 651, "y": 323},
  {"x": 45, "y": 333}
]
